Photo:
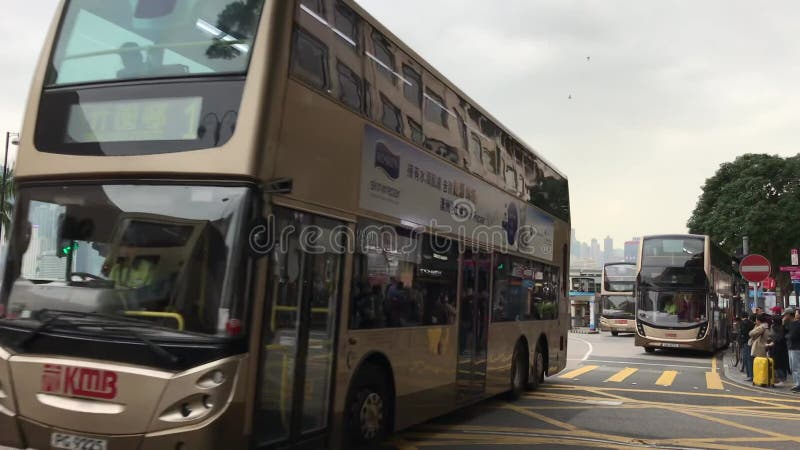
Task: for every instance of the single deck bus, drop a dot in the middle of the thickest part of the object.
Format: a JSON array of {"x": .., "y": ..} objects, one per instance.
[
  {"x": 262, "y": 224},
  {"x": 617, "y": 304},
  {"x": 684, "y": 291}
]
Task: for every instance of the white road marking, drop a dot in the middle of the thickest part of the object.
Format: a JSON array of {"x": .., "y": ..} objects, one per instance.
[{"x": 591, "y": 349}]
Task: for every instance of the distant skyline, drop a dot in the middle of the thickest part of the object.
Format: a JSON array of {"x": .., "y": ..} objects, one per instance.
[{"x": 672, "y": 89}]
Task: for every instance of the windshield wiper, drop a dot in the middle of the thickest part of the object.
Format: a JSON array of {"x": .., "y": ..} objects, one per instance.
[
  {"x": 106, "y": 322},
  {"x": 158, "y": 350},
  {"x": 25, "y": 340}
]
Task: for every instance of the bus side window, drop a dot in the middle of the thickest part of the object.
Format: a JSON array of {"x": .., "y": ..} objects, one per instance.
[
  {"x": 410, "y": 284},
  {"x": 310, "y": 59}
]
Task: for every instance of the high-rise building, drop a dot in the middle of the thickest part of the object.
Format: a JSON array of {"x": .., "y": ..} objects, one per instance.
[
  {"x": 595, "y": 252},
  {"x": 40, "y": 260},
  {"x": 608, "y": 249},
  {"x": 30, "y": 260},
  {"x": 632, "y": 250},
  {"x": 575, "y": 248},
  {"x": 586, "y": 251}
]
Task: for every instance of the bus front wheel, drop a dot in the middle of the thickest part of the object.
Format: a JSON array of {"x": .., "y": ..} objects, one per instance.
[
  {"x": 369, "y": 407},
  {"x": 615, "y": 333},
  {"x": 649, "y": 349}
]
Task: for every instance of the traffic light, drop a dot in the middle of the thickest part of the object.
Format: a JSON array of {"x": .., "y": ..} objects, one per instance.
[{"x": 66, "y": 248}]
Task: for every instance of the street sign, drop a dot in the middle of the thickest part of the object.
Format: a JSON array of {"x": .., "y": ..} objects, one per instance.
[
  {"x": 795, "y": 261},
  {"x": 790, "y": 268},
  {"x": 769, "y": 284},
  {"x": 755, "y": 268}
]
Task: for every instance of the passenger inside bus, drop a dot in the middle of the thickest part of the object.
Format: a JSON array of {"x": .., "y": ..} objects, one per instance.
[
  {"x": 133, "y": 65},
  {"x": 669, "y": 306}
]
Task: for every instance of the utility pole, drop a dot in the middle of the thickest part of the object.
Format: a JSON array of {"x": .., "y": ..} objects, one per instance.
[{"x": 745, "y": 252}]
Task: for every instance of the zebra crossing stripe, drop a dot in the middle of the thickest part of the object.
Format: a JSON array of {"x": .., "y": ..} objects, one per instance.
[
  {"x": 667, "y": 377},
  {"x": 622, "y": 375},
  {"x": 580, "y": 371}
]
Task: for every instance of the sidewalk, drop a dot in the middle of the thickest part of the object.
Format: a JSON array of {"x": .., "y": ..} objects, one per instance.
[
  {"x": 583, "y": 330},
  {"x": 733, "y": 374}
]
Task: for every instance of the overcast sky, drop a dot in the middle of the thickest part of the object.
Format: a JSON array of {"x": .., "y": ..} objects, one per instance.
[{"x": 671, "y": 89}]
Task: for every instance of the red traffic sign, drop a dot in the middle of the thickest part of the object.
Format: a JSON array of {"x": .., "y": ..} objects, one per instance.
[
  {"x": 769, "y": 284},
  {"x": 755, "y": 268}
]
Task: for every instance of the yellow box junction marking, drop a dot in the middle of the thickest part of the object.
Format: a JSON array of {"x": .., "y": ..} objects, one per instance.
[
  {"x": 667, "y": 377},
  {"x": 622, "y": 374},
  {"x": 580, "y": 371}
]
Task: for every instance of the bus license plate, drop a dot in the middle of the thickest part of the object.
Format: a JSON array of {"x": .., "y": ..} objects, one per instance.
[
  {"x": 670, "y": 344},
  {"x": 72, "y": 442},
  {"x": 622, "y": 321}
]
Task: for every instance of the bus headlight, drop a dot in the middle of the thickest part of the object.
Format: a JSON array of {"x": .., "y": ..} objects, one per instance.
[
  {"x": 702, "y": 332},
  {"x": 640, "y": 328}
]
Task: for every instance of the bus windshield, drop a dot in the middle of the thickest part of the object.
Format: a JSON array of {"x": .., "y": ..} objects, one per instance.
[
  {"x": 674, "y": 262},
  {"x": 672, "y": 308},
  {"x": 618, "y": 305},
  {"x": 162, "y": 254},
  {"x": 619, "y": 277},
  {"x": 102, "y": 40},
  {"x": 585, "y": 284}
]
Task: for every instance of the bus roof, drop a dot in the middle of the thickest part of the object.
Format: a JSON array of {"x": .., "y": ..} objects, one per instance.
[{"x": 419, "y": 59}]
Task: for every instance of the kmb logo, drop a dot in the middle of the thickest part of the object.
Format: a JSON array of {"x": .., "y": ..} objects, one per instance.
[{"x": 79, "y": 381}]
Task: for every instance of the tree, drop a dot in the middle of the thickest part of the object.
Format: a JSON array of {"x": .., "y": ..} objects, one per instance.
[
  {"x": 758, "y": 196},
  {"x": 7, "y": 209}
]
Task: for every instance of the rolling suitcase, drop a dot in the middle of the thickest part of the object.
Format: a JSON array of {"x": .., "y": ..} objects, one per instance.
[{"x": 764, "y": 372}]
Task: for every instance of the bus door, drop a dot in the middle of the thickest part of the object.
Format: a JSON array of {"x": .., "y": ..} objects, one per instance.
[
  {"x": 296, "y": 358},
  {"x": 473, "y": 325}
]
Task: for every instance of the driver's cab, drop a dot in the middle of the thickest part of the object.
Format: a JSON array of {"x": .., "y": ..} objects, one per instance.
[{"x": 147, "y": 266}]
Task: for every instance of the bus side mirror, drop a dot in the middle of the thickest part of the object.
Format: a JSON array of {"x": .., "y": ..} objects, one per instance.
[{"x": 153, "y": 9}]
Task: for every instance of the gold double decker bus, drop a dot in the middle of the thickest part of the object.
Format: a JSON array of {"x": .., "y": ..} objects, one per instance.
[
  {"x": 685, "y": 286},
  {"x": 265, "y": 224},
  {"x": 616, "y": 298}
]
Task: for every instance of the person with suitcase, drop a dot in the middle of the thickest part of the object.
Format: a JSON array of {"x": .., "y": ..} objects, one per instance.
[{"x": 763, "y": 367}]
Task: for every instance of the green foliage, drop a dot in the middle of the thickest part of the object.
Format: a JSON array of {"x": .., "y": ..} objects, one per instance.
[
  {"x": 7, "y": 209},
  {"x": 757, "y": 196}
]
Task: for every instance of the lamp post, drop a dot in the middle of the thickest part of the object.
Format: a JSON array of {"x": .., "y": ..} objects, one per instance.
[{"x": 9, "y": 136}]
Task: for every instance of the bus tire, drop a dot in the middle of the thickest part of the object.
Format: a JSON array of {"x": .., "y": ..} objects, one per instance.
[
  {"x": 519, "y": 372},
  {"x": 536, "y": 377},
  {"x": 368, "y": 412},
  {"x": 615, "y": 333},
  {"x": 649, "y": 349}
]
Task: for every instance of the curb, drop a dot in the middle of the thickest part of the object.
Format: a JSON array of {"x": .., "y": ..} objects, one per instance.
[{"x": 781, "y": 390}]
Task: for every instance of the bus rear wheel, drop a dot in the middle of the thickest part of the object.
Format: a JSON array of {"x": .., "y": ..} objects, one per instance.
[
  {"x": 519, "y": 372},
  {"x": 536, "y": 377},
  {"x": 368, "y": 408},
  {"x": 615, "y": 333}
]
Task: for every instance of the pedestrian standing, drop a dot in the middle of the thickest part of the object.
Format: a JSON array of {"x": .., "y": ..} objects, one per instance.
[
  {"x": 777, "y": 350},
  {"x": 758, "y": 341},
  {"x": 793, "y": 342},
  {"x": 744, "y": 337}
]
